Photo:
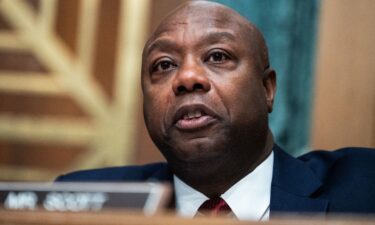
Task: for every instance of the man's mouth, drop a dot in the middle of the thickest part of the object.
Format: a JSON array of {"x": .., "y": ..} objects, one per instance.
[
  {"x": 193, "y": 114},
  {"x": 193, "y": 117}
]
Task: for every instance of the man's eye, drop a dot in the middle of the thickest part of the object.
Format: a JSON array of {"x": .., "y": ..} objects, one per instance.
[
  {"x": 217, "y": 57},
  {"x": 163, "y": 66}
]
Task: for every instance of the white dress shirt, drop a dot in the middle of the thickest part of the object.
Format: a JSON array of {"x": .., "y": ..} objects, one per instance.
[{"x": 249, "y": 198}]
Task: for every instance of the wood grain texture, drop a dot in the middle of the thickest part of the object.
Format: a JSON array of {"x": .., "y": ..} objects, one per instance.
[{"x": 60, "y": 87}]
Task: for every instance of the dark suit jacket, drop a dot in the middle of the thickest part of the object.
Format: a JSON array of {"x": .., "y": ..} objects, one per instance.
[{"x": 342, "y": 181}]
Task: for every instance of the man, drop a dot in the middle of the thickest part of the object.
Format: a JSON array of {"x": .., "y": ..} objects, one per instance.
[{"x": 208, "y": 89}]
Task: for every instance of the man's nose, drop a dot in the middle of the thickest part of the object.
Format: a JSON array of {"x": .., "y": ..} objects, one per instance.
[{"x": 191, "y": 77}]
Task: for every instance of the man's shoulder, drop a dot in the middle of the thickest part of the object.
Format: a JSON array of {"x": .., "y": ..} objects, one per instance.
[
  {"x": 149, "y": 172},
  {"x": 357, "y": 152},
  {"x": 345, "y": 178},
  {"x": 345, "y": 156},
  {"x": 352, "y": 159}
]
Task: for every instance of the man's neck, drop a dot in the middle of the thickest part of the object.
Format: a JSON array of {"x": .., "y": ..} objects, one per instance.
[
  {"x": 249, "y": 198},
  {"x": 214, "y": 177}
]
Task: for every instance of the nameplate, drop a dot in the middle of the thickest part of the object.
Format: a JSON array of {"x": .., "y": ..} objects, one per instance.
[{"x": 79, "y": 197}]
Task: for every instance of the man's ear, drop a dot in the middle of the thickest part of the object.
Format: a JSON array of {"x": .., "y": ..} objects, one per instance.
[{"x": 269, "y": 84}]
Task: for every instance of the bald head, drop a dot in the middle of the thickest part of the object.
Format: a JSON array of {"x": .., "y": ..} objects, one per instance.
[{"x": 214, "y": 14}]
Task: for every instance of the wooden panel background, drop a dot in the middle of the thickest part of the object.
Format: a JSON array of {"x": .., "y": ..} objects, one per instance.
[{"x": 344, "y": 108}]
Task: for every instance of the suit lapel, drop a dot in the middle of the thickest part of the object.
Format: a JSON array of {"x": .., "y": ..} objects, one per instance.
[{"x": 293, "y": 185}]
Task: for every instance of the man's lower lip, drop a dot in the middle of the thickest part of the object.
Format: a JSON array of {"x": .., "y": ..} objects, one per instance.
[{"x": 194, "y": 123}]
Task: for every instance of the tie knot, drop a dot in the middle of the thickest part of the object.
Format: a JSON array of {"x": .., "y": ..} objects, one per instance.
[{"x": 214, "y": 206}]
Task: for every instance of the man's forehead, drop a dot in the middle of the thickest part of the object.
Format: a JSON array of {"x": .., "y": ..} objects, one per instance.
[
  {"x": 199, "y": 19},
  {"x": 203, "y": 15},
  {"x": 198, "y": 24}
]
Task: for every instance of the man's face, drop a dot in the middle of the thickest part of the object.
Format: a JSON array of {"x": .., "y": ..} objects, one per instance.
[{"x": 203, "y": 86}]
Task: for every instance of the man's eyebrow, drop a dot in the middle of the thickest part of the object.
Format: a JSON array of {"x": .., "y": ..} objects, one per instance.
[
  {"x": 210, "y": 38},
  {"x": 161, "y": 44}
]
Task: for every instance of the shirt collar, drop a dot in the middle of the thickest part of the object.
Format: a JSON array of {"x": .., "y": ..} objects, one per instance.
[{"x": 249, "y": 198}]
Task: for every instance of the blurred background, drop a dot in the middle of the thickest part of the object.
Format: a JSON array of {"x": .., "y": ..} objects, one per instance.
[{"x": 70, "y": 92}]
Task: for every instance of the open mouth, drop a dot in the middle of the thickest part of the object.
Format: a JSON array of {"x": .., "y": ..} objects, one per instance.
[
  {"x": 194, "y": 114},
  {"x": 193, "y": 117}
]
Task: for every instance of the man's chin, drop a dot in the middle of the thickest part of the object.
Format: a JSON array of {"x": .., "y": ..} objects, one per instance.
[{"x": 197, "y": 150}]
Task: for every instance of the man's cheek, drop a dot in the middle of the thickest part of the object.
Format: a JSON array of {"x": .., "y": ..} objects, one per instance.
[{"x": 154, "y": 112}]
